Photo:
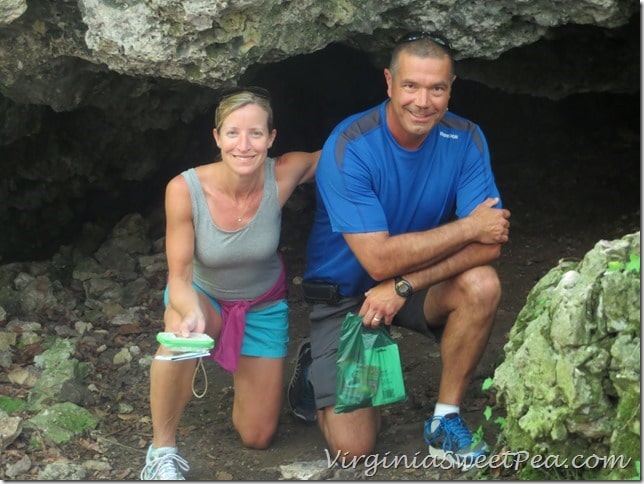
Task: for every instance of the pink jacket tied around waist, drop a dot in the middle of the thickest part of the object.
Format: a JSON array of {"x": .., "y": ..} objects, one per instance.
[{"x": 233, "y": 325}]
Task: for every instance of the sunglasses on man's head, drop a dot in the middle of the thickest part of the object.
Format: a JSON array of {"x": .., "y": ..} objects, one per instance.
[
  {"x": 255, "y": 90},
  {"x": 436, "y": 38}
]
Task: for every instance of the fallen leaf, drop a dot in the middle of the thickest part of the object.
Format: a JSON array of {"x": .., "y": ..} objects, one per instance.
[
  {"x": 89, "y": 445},
  {"x": 128, "y": 416},
  {"x": 130, "y": 328}
]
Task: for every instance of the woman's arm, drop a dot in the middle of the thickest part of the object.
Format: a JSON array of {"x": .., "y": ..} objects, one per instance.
[
  {"x": 294, "y": 168},
  {"x": 179, "y": 242}
]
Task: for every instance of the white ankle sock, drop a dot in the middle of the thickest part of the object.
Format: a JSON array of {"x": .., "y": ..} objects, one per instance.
[
  {"x": 155, "y": 452},
  {"x": 442, "y": 409}
]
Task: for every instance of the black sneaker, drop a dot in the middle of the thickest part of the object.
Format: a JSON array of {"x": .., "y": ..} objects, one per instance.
[{"x": 301, "y": 397}]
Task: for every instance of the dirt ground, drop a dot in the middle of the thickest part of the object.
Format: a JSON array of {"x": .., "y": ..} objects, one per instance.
[{"x": 565, "y": 193}]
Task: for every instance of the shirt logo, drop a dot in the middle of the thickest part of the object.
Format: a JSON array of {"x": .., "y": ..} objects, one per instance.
[{"x": 443, "y": 134}]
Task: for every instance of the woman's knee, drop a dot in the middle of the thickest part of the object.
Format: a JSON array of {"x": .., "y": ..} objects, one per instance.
[{"x": 256, "y": 437}]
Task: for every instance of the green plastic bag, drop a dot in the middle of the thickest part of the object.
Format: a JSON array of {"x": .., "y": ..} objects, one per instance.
[{"x": 369, "y": 373}]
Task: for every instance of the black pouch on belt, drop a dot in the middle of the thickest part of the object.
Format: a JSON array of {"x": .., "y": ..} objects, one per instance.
[{"x": 320, "y": 292}]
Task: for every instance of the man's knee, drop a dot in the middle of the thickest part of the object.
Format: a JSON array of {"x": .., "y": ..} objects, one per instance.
[
  {"x": 482, "y": 285},
  {"x": 350, "y": 434},
  {"x": 348, "y": 448}
]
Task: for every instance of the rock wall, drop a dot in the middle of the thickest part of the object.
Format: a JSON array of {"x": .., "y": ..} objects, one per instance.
[
  {"x": 55, "y": 53},
  {"x": 570, "y": 380}
]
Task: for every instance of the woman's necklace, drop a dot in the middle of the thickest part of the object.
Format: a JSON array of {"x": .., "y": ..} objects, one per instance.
[
  {"x": 240, "y": 217},
  {"x": 242, "y": 212}
]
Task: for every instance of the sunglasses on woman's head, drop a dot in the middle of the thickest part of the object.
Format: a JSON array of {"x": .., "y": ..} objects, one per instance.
[
  {"x": 418, "y": 35},
  {"x": 255, "y": 90}
]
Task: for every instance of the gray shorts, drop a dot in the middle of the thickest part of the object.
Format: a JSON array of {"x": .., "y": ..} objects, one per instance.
[{"x": 326, "y": 323}]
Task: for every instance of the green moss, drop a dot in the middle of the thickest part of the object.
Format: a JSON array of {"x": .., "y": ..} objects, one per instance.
[
  {"x": 193, "y": 72},
  {"x": 213, "y": 51},
  {"x": 10, "y": 405},
  {"x": 175, "y": 29},
  {"x": 34, "y": 444},
  {"x": 62, "y": 421},
  {"x": 627, "y": 426}
]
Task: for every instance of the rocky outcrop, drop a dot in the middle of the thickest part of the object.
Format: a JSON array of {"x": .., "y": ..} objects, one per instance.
[
  {"x": 570, "y": 382},
  {"x": 58, "y": 53}
]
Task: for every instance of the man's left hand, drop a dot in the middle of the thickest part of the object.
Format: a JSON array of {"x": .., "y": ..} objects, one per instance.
[{"x": 381, "y": 304}]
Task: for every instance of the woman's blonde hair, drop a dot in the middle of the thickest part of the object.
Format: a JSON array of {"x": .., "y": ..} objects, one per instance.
[{"x": 240, "y": 97}]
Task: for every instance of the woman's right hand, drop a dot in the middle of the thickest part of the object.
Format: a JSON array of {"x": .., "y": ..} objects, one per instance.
[{"x": 193, "y": 322}]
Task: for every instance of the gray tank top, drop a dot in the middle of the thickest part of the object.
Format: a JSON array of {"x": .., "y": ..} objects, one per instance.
[{"x": 241, "y": 264}]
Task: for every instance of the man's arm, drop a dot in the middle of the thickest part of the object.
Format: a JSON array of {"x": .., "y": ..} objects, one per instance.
[
  {"x": 473, "y": 255},
  {"x": 383, "y": 301},
  {"x": 385, "y": 256}
]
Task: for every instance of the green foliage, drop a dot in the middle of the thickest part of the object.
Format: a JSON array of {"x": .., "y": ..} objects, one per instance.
[
  {"x": 501, "y": 422},
  {"x": 487, "y": 412},
  {"x": 487, "y": 384},
  {"x": 633, "y": 265},
  {"x": 477, "y": 436}
]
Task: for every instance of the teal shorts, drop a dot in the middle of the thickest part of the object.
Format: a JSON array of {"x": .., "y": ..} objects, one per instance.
[{"x": 266, "y": 334}]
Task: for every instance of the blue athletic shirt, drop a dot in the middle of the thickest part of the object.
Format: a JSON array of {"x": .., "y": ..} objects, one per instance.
[{"x": 366, "y": 182}]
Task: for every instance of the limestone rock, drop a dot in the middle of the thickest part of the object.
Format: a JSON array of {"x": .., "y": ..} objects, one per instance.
[
  {"x": 571, "y": 374},
  {"x": 10, "y": 428}
]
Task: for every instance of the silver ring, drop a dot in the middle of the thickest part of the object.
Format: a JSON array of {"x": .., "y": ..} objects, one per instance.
[{"x": 376, "y": 319}]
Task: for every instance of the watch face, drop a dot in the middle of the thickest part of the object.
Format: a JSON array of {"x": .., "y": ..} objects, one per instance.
[{"x": 403, "y": 288}]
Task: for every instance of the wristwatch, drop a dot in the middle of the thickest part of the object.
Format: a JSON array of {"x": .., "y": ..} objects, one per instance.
[{"x": 402, "y": 286}]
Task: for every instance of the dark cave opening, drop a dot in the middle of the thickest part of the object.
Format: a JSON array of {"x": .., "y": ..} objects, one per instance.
[
  {"x": 563, "y": 159},
  {"x": 585, "y": 146}
]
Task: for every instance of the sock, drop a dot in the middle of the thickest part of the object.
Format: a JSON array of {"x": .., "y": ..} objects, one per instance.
[
  {"x": 154, "y": 452},
  {"x": 442, "y": 409}
]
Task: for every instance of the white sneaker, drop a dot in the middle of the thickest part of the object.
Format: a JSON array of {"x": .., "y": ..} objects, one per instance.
[{"x": 164, "y": 464}]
